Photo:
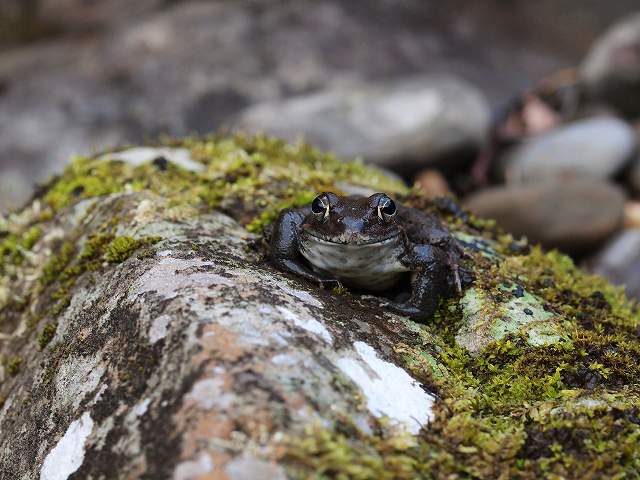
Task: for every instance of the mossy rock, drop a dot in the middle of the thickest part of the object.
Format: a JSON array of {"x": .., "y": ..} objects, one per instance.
[{"x": 139, "y": 319}]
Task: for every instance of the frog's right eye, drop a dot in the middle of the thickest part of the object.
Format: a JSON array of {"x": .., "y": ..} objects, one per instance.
[{"x": 320, "y": 206}]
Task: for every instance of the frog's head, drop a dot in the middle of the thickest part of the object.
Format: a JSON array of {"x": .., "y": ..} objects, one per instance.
[{"x": 352, "y": 220}]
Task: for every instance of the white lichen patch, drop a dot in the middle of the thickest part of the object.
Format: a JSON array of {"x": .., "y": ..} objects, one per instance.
[
  {"x": 389, "y": 390},
  {"x": 141, "y": 155},
  {"x": 170, "y": 276},
  {"x": 139, "y": 409},
  {"x": 76, "y": 378},
  {"x": 249, "y": 468},
  {"x": 68, "y": 454},
  {"x": 158, "y": 329},
  {"x": 209, "y": 393},
  {"x": 307, "y": 323},
  {"x": 284, "y": 360},
  {"x": 191, "y": 469},
  {"x": 306, "y": 297},
  {"x": 145, "y": 211},
  {"x": 487, "y": 320}
]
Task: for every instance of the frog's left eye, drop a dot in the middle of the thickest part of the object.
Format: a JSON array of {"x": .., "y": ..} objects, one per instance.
[
  {"x": 320, "y": 207},
  {"x": 386, "y": 209}
]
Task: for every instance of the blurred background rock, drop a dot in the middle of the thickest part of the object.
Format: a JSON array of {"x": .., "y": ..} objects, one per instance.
[{"x": 526, "y": 110}]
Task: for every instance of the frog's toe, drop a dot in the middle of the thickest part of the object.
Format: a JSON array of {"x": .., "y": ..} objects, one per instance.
[{"x": 409, "y": 310}]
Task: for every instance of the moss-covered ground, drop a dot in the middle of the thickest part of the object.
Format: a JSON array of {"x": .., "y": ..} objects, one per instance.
[{"x": 514, "y": 409}]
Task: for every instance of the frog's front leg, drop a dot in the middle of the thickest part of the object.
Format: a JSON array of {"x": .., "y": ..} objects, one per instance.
[
  {"x": 284, "y": 248},
  {"x": 431, "y": 281}
]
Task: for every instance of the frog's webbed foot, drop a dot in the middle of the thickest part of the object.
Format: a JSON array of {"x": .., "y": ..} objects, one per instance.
[
  {"x": 455, "y": 253},
  {"x": 297, "y": 268},
  {"x": 409, "y": 310},
  {"x": 456, "y": 278},
  {"x": 432, "y": 281}
]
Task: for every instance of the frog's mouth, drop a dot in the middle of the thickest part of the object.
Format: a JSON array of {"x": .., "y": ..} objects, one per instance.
[{"x": 347, "y": 238}]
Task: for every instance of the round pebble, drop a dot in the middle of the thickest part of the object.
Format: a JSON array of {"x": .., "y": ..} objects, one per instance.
[{"x": 575, "y": 216}]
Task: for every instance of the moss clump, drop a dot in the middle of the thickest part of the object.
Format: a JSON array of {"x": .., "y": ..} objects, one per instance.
[
  {"x": 46, "y": 335},
  {"x": 251, "y": 178},
  {"x": 13, "y": 365},
  {"x": 329, "y": 455},
  {"x": 14, "y": 247},
  {"x": 122, "y": 248},
  {"x": 57, "y": 264},
  {"x": 63, "y": 269}
]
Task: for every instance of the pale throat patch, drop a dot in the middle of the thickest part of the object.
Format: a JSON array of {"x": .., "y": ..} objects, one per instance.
[{"x": 373, "y": 266}]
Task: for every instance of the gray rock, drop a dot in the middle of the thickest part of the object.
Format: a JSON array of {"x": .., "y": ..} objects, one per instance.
[
  {"x": 575, "y": 216},
  {"x": 222, "y": 342},
  {"x": 186, "y": 355},
  {"x": 634, "y": 175},
  {"x": 487, "y": 318},
  {"x": 594, "y": 148},
  {"x": 611, "y": 70},
  {"x": 619, "y": 261},
  {"x": 413, "y": 123}
]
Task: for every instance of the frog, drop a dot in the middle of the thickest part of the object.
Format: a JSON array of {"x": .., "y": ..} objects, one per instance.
[{"x": 370, "y": 244}]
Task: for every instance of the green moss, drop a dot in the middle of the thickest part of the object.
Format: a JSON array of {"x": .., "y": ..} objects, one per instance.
[
  {"x": 13, "y": 365},
  {"x": 122, "y": 248},
  {"x": 14, "y": 247},
  {"x": 57, "y": 264},
  {"x": 251, "y": 178},
  {"x": 46, "y": 335},
  {"x": 31, "y": 237}
]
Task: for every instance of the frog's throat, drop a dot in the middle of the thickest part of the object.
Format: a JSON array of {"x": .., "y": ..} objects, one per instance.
[
  {"x": 346, "y": 239},
  {"x": 373, "y": 266}
]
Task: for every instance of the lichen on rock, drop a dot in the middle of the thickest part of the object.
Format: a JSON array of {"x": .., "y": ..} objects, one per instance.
[{"x": 143, "y": 334}]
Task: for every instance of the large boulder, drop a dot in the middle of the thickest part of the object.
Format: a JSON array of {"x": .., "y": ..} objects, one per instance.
[
  {"x": 619, "y": 261},
  {"x": 595, "y": 148},
  {"x": 404, "y": 125},
  {"x": 575, "y": 216},
  {"x": 611, "y": 70},
  {"x": 143, "y": 335}
]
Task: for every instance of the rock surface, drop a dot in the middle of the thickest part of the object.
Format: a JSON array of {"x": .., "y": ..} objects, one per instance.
[
  {"x": 143, "y": 335},
  {"x": 619, "y": 261},
  {"x": 404, "y": 126},
  {"x": 574, "y": 216},
  {"x": 432, "y": 183},
  {"x": 595, "y": 148},
  {"x": 198, "y": 342},
  {"x": 634, "y": 176},
  {"x": 611, "y": 70}
]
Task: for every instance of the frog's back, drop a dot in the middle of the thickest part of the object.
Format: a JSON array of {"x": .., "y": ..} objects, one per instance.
[{"x": 422, "y": 227}]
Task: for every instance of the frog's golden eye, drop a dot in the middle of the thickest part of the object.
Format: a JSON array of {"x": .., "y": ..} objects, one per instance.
[
  {"x": 320, "y": 207},
  {"x": 386, "y": 208}
]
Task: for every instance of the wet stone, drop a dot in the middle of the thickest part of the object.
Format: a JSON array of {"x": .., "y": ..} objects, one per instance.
[
  {"x": 404, "y": 125},
  {"x": 619, "y": 261},
  {"x": 575, "y": 217},
  {"x": 596, "y": 148},
  {"x": 611, "y": 70}
]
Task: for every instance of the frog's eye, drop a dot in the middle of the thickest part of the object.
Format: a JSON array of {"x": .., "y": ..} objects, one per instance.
[
  {"x": 320, "y": 207},
  {"x": 386, "y": 208}
]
